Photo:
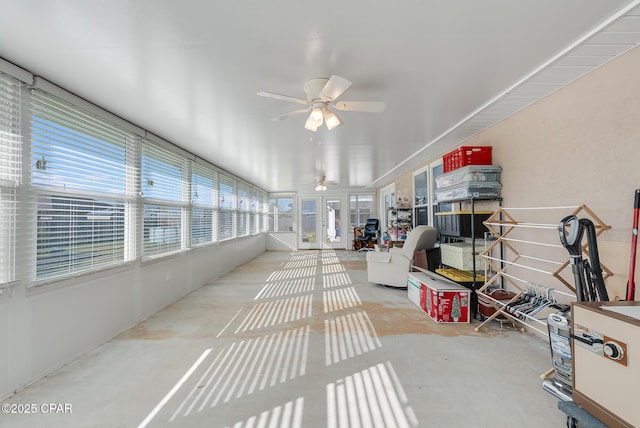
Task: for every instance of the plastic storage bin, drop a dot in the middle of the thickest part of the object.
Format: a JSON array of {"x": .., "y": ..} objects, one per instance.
[
  {"x": 466, "y": 155},
  {"x": 479, "y": 173},
  {"x": 477, "y": 190},
  {"x": 460, "y": 255}
]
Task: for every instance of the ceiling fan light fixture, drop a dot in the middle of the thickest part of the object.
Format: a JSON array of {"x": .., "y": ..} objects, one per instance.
[
  {"x": 315, "y": 119},
  {"x": 311, "y": 125},
  {"x": 321, "y": 187},
  {"x": 331, "y": 120},
  {"x": 316, "y": 115}
]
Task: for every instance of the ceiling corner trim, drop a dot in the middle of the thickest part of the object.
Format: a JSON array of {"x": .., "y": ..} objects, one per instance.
[{"x": 13, "y": 70}]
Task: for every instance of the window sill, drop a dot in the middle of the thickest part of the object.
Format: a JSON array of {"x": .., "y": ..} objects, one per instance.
[{"x": 46, "y": 285}]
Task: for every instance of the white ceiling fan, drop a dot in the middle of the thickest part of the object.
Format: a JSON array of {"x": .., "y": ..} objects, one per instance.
[
  {"x": 321, "y": 185},
  {"x": 322, "y": 94}
]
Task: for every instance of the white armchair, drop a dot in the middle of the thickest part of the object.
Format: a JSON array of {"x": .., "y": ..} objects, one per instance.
[{"x": 392, "y": 268}]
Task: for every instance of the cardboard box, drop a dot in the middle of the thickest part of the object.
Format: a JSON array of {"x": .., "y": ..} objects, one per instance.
[{"x": 444, "y": 300}]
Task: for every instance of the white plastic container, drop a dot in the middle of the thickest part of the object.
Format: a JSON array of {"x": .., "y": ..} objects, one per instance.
[
  {"x": 471, "y": 173},
  {"x": 459, "y": 255},
  {"x": 471, "y": 189}
]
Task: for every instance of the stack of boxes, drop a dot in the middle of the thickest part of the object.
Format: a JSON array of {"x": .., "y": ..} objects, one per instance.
[{"x": 468, "y": 173}]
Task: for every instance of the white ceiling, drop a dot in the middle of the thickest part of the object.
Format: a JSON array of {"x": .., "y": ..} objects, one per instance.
[{"x": 189, "y": 70}]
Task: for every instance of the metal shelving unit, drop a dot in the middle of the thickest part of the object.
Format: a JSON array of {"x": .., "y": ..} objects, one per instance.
[{"x": 474, "y": 272}]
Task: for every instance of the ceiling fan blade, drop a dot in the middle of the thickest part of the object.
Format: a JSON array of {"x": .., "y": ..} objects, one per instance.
[
  {"x": 334, "y": 88},
  {"x": 291, "y": 113},
  {"x": 323, "y": 180},
  {"x": 282, "y": 97},
  {"x": 363, "y": 106}
]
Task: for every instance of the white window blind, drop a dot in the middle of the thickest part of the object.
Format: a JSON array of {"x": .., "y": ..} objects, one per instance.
[
  {"x": 10, "y": 136},
  {"x": 242, "y": 214},
  {"x": 253, "y": 208},
  {"x": 227, "y": 204},
  {"x": 84, "y": 176},
  {"x": 7, "y": 234},
  {"x": 243, "y": 197},
  {"x": 10, "y": 173},
  {"x": 264, "y": 212},
  {"x": 164, "y": 192},
  {"x": 204, "y": 200}
]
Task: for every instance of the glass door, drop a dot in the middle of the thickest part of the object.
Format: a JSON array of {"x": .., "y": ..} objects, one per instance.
[
  {"x": 321, "y": 223},
  {"x": 309, "y": 224},
  {"x": 332, "y": 222}
]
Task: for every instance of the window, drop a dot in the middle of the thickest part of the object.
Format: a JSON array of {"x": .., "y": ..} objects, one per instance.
[
  {"x": 82, "y": 170},
  {"x": 226, "y": 213},
  {"x": 88, "y": 193},
  {"x": 360, "y": 209},
  {"x": 281, "y": 214},
  {"x": 421, "y": 197},
  {"x": 204, "y": 200},
  {"x": 10, "y": 172},
  {"x": 421, "y": 187},
  {"x": 164, "y": 190},
  {"x": 437, "y": 169}
]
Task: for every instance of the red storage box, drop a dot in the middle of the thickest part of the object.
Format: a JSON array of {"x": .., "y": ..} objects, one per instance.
[
  {"x": 444, "y": 300},
  {"x": 466, "y": 155}
]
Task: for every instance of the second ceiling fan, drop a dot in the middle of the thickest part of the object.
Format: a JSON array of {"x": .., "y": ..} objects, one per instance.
[{"x": 322, "y": 94}]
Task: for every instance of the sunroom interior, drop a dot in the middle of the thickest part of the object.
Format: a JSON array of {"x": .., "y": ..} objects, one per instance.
[{"x": 139, "y": 166}]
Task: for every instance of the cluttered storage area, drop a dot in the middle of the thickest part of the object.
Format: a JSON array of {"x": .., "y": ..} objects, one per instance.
[{"x": 536, "y": 269}]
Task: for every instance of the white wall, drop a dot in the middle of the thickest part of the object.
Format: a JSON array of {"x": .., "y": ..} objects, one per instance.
[
  {"x": 43, "y": 329},
  {"x": 282, "y": 241}
]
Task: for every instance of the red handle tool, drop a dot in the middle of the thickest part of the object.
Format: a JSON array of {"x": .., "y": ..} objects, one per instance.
[{"x": 631, "y": 285}]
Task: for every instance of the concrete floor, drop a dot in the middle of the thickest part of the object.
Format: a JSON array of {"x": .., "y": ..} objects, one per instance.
[{"x": 299, "y": 340}]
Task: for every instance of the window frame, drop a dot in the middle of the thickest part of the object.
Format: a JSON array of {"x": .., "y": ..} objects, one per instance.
[
  {"x": 355, "y": 210},
  {"x": 273, "y": 216}
]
